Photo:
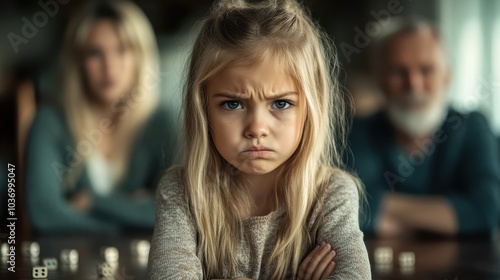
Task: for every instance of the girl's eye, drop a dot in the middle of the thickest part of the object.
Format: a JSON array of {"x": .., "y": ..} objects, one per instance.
[
  {"x": 231, "y": 105},
  {"x": 281, "y": 104}
]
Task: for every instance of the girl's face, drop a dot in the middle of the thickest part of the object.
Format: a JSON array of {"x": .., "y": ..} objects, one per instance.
[
  {"x": 256, "y": 116},
  {"x": 109, "y": 64}
]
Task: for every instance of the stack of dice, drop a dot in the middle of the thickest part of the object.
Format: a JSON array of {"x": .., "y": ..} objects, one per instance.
[
  {"x": 140, "y": 252},
  {"x": 407, "y": 263},
  {"x": 108, "y": 266},
  {"x": 31, "y": 253},
  {"x": 69, "y": 260},
  {"x": 5, "y": 254},
  {"x": 383, "y": 259}
]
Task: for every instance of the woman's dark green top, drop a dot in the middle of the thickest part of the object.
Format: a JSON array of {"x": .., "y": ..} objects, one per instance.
[{"x": 52, "y": 155}]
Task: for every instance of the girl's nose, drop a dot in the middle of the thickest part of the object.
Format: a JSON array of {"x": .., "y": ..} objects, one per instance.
[{"x": 257, "y": 126}]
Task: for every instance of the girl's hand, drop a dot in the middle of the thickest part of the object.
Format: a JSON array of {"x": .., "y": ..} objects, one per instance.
[{"x": 318, "y": 264}]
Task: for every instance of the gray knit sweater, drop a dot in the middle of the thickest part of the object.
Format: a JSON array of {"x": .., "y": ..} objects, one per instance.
[{"x": 173, "y": 248}]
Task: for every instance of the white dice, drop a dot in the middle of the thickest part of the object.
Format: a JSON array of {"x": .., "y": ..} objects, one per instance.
[
  {"x": 69, "y": 256},
  {"x": 109, "y": 254},
  {"x": 39, "y": 272},
  {"x": 407, "y": 259},
  {"x": 140, "y": 247},
  {"x": 30, "y": 249},
  {"x": 383, "y": 255},
  {"x": 106, "y": 269},
  {"x": 50, "y": 263}
]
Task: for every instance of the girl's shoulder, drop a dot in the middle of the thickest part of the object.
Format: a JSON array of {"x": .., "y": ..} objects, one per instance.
[
  {"x": 173, "y": 175},
  {"x": 341, "y": 186},
  {"x": 338, "y": 196},
  {"x": 339, "y": 176},
  {"x": 172, "y": 183}
]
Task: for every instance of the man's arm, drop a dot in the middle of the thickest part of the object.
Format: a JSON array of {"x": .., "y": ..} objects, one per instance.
[
  {"x": 473, "y": 208},
  {"x": 402, "y": 212}
]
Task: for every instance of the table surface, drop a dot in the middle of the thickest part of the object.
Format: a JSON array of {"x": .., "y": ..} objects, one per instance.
[{"x": 477, "y": 259}]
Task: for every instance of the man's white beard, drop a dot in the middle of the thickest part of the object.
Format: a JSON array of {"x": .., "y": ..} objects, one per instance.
[{"x": 418, "y": 122}]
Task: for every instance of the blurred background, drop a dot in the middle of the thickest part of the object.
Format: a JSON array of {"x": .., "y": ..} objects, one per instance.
[{"x": 29, "y": 67}]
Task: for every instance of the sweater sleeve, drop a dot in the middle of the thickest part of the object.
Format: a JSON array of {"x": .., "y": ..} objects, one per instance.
[
  {"x": 477, "y": 204},
  {"x": 45, "y": 166},
  {"x": 173, "y": 246},
  {"x": 341, "y": 229}
]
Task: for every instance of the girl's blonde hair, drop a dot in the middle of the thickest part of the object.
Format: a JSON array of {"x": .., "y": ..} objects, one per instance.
[
  {"x": 132, "y": 110},
  {"x": 237, "y": 31}
]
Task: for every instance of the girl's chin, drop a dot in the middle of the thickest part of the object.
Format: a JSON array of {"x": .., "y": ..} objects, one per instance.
[{"x": 256, "y": 169}]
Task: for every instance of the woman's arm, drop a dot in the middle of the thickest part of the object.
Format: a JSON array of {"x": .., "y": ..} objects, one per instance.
[
  {"x": 173, "y": 247},
  {"x": 125, "y": 211}
]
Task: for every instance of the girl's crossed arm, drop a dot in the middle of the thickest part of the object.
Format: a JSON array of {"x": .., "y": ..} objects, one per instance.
[
  {"x": 173, "y": 247},
  {"x": 341, "y": 229}
]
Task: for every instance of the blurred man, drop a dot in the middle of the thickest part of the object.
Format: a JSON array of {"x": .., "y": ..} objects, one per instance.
[{"x": 426, "y": 167}]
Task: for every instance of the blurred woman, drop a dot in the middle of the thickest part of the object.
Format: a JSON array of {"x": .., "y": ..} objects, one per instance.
[{"x": 94, "y": 161}]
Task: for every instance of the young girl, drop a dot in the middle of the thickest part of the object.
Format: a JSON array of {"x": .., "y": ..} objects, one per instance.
[
  {"x": 94, "y": 161},
  {"x": 257, "y": 196}
]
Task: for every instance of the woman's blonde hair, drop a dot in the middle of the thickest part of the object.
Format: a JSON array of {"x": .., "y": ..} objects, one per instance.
[
  {"x": 239, "y": 31},
  {"x": 132, "y": 110}
]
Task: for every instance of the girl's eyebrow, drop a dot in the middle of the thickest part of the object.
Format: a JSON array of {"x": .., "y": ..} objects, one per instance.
[
  {"x": 242, "y": 96},
  {"x": 228, "y": 95},
  {"x": 281, "y": 95}
]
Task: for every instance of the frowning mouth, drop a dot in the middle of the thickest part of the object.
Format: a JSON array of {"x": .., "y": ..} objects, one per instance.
[
  {"x": 258, "y": 149},
  {"x": 257, "y": 152}
]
